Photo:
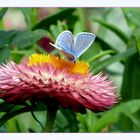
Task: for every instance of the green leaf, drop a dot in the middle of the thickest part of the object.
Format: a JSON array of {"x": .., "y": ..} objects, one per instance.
[
  {"x": 100, "y": 55},
  {"x": 72, "y": 125},
  {"x": 129, "y": 121},
  {"x": 82, "y": 19},
  {"x": 4, "y": 54},
  {"x": 77, "y": 28},
  {"x": 54, "y": 31},
  {"x": 131, "y": 76},
  {"x": 4, "y": 107},
  {"x": 48, "y": 21},
  {"x": 91, "y": 51},
  {"x": 87, "y": 121},
  {"x": 105, "y": 45},
  {"x": 132, "y": 15},
  {"x": 131, "y": 83},
  {"x": 18, "y": 109},
  {"x": 2, "y": 12},
  {"x": 27, "y": 38},
  {"x": 112, "y": 116},
  {"x": 113, "y": 28},
  {"x": 118, "y": 57},
  {"x": 10, "y": 114},
  {"x": 23, "y": 52},
  {"x": 137, "y": 39},
  {"x": 27, "y": 15},
  {"x": 6, "y": 37},
  {"x": 62, "y": 26}
]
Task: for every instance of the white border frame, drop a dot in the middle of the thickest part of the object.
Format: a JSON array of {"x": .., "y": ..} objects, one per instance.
[
  {"x": 69, "y": 136},
  {"x": 69, "y": 3}
]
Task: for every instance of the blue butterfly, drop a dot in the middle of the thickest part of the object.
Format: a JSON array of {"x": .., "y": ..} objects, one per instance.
[{"x": 73, "y": 47}]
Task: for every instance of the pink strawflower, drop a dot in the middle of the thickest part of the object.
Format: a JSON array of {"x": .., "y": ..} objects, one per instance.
[{"x": 45, "y": 77}]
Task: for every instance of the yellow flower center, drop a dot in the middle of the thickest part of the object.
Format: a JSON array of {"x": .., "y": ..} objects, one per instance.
[{"x": 80, "y": 67}]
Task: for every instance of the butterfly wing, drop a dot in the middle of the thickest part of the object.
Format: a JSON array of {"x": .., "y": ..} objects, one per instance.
[
  {"x": 64, "y": 43},
  {"x": 82, "y": 42}
]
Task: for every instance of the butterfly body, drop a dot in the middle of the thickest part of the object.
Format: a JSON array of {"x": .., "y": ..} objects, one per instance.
[{"x": 73, "y": 47}]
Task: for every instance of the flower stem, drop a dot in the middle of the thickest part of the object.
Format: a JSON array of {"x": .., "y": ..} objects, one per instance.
[{"x": 50, "y": 118}]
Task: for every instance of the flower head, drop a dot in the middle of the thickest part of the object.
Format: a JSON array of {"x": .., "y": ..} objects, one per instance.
[{"x": 47, "y": 76}]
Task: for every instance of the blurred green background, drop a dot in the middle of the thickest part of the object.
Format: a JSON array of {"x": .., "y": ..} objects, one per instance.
[{"x": 116, "y": 51}]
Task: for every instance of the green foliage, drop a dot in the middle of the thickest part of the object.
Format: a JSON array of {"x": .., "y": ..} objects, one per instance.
[
  {"x": 47, "y": 22},
  {"x": 137, "y": 37},
  {"x": 113, "y": 29},
  {"x": 6, "y": 37},
  {"x": 98, "y": 124},
  {"x": 27, "y": 15},
  {"x": 132, "y": 16},
  {"x": 113, "y": 116},
  {"x": 27, "y": 38},
  {"x": 105, "y": 54},
  {"x": 118, "y": 57},
  {"x": 2, "y": 12},
  {"x": 4, "y": 54},
  {"x": 132, "y": 68}
]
